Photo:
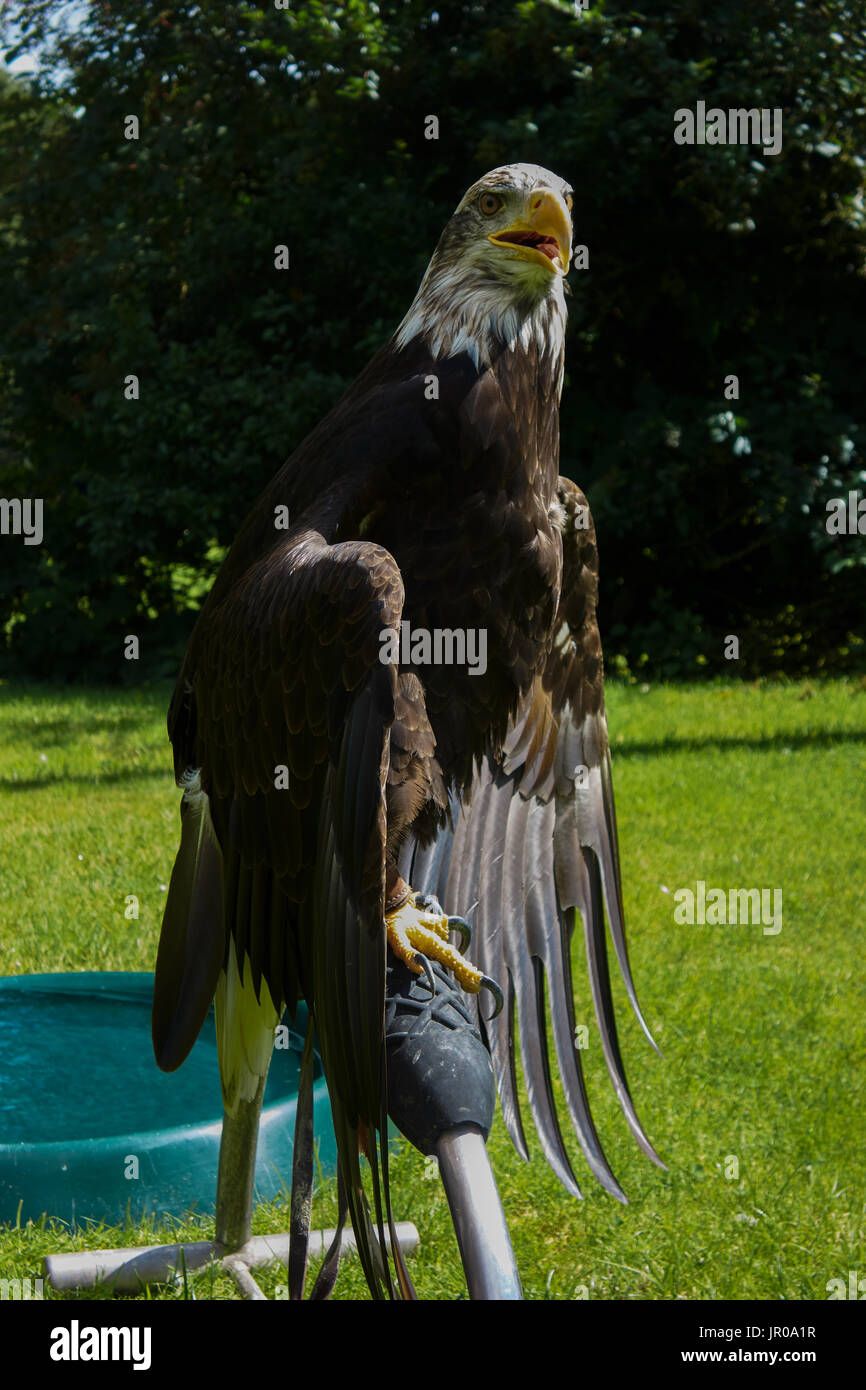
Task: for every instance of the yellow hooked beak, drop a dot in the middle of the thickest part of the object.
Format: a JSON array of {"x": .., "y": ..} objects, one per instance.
[{"x": 544, "y": 236}]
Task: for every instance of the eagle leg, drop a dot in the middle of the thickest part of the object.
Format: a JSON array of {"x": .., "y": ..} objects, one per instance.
[{"x": 416, "y": 934}]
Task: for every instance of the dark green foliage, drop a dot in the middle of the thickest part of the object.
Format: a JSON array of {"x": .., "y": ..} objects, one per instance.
[{"x": 307, "y": 127}]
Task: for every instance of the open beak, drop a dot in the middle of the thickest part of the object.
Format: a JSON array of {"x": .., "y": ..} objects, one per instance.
[{"x": 544, "y": 236}]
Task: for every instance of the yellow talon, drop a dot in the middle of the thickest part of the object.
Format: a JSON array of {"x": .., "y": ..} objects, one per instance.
[{"x": 411, "y": 930}]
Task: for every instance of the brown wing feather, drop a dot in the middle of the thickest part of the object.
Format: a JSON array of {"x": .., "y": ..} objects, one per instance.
[
  {"x": 284, "y": 672},
  {"x": 534, "y": 841}
]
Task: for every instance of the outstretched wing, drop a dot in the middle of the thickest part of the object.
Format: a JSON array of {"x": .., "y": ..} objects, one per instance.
[
  {"x": 534, "y": 842},
  {"x": 285, "y": 708}
]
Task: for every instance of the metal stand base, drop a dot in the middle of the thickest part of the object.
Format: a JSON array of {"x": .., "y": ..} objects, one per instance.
[{"x": 131, "y": 1269}]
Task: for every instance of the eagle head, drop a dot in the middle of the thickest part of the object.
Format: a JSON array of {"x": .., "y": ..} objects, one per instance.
[
  {"x": 496, "y": 278},
  {"x": 514, "y": 227}
]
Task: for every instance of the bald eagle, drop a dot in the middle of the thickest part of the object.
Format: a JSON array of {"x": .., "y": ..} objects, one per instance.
[{"x": 339, "y": 784}]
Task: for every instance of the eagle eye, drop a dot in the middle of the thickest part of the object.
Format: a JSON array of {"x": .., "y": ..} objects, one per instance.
[
  {"x": 489, "y": 203},
  {"x": 569, "y": 201}
]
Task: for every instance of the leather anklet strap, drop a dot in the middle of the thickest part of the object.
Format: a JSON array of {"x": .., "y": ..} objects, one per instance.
[{"x": 401, "y": 894}]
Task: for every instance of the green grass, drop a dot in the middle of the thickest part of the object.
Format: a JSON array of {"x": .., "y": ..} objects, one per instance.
[{"x": 764, "y": 1037}]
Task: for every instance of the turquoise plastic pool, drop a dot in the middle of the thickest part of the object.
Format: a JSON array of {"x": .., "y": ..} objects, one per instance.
[{"x": 89, "y": 1125}]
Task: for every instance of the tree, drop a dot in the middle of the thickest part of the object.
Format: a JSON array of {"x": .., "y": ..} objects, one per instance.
[{"x": 308, "y": 128}]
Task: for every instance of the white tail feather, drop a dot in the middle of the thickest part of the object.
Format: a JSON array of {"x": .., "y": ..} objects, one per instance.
[{"x": 245, "y": 1030}]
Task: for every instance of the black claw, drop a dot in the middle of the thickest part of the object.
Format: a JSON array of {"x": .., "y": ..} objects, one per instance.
[
  {"x": 428, "y": 903},
  {"x": 487, "y": 983},
  {"x": 458, "y": 924},
  {"x": 428, "y": 971}
]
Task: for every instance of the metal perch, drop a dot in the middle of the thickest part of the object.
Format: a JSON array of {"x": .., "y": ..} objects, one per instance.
[{"x": 442, "y": 1098}]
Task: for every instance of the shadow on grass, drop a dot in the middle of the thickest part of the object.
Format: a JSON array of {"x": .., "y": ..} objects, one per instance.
[
  {"x": 65, "y": 732},
  {"x": 810, "y": 738},
  {"x": 57, "y": 779}
]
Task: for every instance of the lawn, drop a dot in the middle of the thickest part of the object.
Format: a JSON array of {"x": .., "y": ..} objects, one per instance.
[{"x": 757, "y": 1104}]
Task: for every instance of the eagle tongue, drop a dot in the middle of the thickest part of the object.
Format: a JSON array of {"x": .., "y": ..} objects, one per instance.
[{"x": 545, "y": 244}]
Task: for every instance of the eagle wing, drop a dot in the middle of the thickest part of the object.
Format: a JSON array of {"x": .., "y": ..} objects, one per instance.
[
  {"x": 534, "y": 841},
  {"x": 285, "y": 709}
]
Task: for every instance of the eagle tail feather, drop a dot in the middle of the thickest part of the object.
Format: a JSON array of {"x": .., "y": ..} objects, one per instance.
[{"x": 245, "y": 1028}]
